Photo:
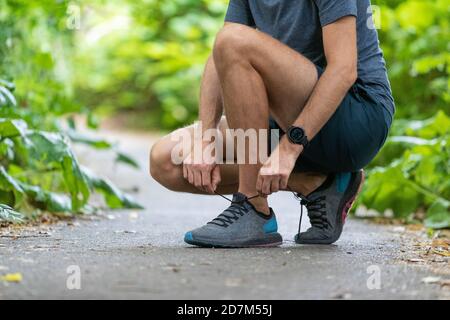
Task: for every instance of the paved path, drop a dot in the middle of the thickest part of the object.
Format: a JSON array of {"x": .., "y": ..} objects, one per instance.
[{"x": 141, "y": 254}]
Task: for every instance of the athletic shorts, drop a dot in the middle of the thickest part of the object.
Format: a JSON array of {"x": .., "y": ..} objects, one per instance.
[{"x": 351, "y": 138}]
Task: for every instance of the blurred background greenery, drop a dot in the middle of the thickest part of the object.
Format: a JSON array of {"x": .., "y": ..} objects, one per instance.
[{"x": 139, "y": 63}]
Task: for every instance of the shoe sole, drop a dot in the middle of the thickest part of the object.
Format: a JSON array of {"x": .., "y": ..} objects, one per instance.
[
  {"x": 272, "y": 240},
  {"x": 344, "y": 208}
]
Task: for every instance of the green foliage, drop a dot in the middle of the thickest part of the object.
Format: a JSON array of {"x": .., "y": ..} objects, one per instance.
[
  {"x": 415, "y": 38},
  {"x": 413, "y": 172},
  {"x": 8, "y": 214},
  {"x": 151, "y": 61},
  {"x": 36, "y": 162},
  {"x": 142, "y": 61},
  {"x": 38, "y": 169},
  {"x": 113, "y": 196}
]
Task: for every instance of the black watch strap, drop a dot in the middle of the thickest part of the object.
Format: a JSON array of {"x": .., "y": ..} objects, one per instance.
[{"x": 296, "y": 135}]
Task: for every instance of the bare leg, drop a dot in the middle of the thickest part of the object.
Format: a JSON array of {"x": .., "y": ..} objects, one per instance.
[
  {"x": 287, "y": 77},
  {"x": 258, "y": 75},
  {"x": 246, "y": 107},
  {"x": 282, "y": 81},
  {"x": 171, "y": 176}
]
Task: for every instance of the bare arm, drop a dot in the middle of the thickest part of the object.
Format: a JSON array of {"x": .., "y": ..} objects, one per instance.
[
  {"x": 339, "y": 39},
  {"x": 211, "y": 103},
  {"x": 211, "y": 107},
  {"x": 205, "y": 175}
]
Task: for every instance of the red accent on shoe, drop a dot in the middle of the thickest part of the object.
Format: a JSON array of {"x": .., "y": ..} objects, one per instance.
[{"x": 349, "y": 203}]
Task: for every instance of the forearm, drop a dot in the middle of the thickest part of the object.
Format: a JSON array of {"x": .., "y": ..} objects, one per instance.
[
  {"x": 340, "y": 47},
  {"x": 211, "y": 106},
  {"x": 329, "y": 92}
]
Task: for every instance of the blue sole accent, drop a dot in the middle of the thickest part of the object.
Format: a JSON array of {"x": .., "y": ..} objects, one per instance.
[
  {"x": 271, "y": 225},
  {"x": 343, "y": 181},
  {"x": 188, "y": 237}
]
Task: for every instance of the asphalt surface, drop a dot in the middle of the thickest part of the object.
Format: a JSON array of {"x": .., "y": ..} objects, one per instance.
[{"x": 141, "y": 254}]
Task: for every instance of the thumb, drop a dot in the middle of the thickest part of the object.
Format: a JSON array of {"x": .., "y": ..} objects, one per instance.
[{"x": 215, "y": 177}]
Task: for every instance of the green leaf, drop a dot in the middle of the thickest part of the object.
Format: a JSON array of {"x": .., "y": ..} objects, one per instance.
[
  {"x": 415, "y": 14},
  {"x": 92, "y": 121},
  {"x": 75, "y": 182},
  {"x": 126, "y": 159},
  {"x": 438, "y": 215},
  {"x": 71, "y": 123},
  {"x": 7, "y": 198},
  {"x": 8, "y": 214},
  {"x": 12, "y": 128},
  {"x": 48, "y": 146},
  {"x": 48, "y": 201},
  {"x": 94, "y": 142},
  {"x": 54, "y": 148},
  {"x": 114, "y": 198},
  {"x": 8, "y": 85},
  {"x": 411, "y": 141},
  {"x": 8, "y": 97},
  {"x": 40, "y": 198},
  {"x": 44, "y": 60},
  {"x": 8, "y": 183},
  {"x": 388, "y": 188},
  {"x": 7, "y": 149},
  {"x": 10, "y": 188}
]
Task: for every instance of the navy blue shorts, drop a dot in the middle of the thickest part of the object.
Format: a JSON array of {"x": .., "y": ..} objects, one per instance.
[{"x": 351, "y": 138}]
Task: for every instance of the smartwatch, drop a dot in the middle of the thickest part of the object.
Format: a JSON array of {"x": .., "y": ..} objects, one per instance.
[{"x": 296, "y": 135}]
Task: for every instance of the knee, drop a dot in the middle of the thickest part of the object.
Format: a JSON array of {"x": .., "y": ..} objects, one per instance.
[
  {"x": 161, "y": 167},
  {"x": 157, "y": 160},
  {"x": 231, "y": 45}
]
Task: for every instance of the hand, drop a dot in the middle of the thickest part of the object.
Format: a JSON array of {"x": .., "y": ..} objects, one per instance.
[
  {"x": 274, "y": 174},
  {"x": 205, "y": 174}
]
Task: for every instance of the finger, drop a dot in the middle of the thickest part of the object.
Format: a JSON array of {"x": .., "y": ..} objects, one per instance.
[
  {"x": 190, "y": 175},
  {"x": 216, "y": 178},
  {"x": 259, "y": 183},
  {"x": 284, "y": 183},
  {"x": 206, "y": 180},
  {"x": 185, "y": 172},
  {"x": 198, "y": 179},
  {"x": 266, "y": 185},
  {"x": 275, "y": 185}
]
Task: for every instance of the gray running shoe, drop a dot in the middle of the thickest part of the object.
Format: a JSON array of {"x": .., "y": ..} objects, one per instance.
[
  {"x": 240, "y": 225},
  {"x": 328, "y": 207}
]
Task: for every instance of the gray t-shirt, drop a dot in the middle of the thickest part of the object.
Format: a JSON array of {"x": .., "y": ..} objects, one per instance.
[{"x": 298, "y": 24}]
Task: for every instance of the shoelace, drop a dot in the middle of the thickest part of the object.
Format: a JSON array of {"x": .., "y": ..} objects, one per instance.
[
  {"x": 303, "y": 202},
  {"x": 316, "y": 213},
  {"x": 235, "y": 210},
  {"x": 315, "y": 208}
]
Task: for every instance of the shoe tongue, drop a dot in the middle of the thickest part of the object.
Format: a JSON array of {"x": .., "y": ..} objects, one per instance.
[{"x": 239, "y": 197}]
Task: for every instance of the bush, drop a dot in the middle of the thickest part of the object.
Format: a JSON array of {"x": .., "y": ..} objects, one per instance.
[
  {"x": 413, "y": 171},
  {"x": 38, "y": 169},
  {"x": 150, "y": 65},
  {"x": 414, "y": 37}
]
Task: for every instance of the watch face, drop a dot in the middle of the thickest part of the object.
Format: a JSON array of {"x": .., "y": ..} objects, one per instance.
[{"x": 296, "y": 134}]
